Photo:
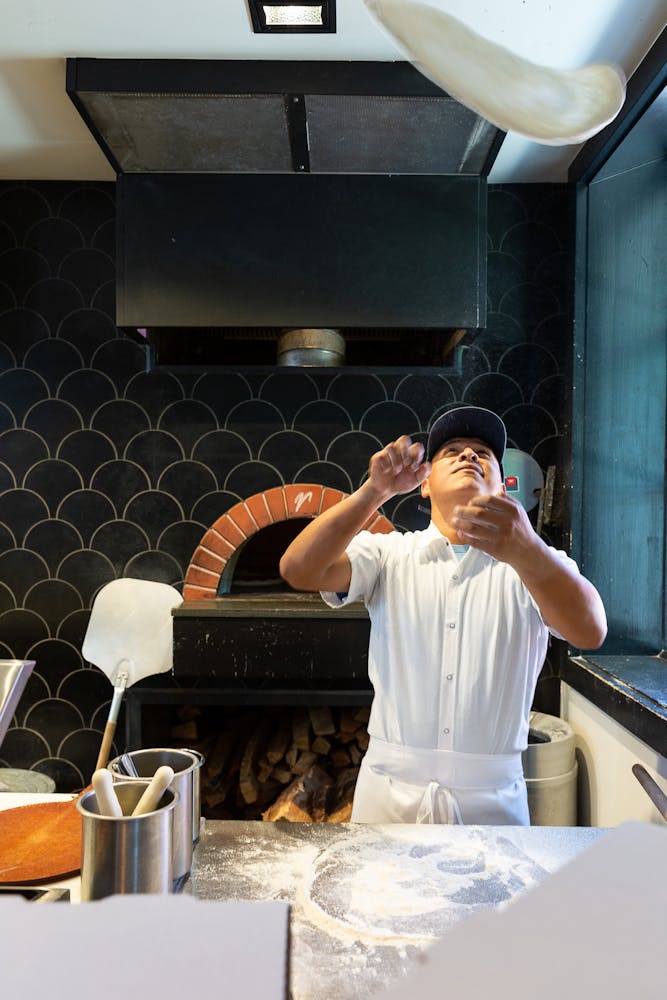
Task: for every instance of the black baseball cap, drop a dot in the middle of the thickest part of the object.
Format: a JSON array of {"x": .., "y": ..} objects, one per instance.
[{"x": 469, "y": 422}]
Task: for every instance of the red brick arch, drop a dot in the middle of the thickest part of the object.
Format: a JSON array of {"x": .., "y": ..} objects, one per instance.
[{"x": 232, "y": 530}]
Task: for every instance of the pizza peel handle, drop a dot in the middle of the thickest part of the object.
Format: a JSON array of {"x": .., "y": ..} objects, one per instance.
[{"x": 129, "y": 636}]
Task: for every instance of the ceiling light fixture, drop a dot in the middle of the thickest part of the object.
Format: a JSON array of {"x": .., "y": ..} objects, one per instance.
[{"x": 289, "y": 18}]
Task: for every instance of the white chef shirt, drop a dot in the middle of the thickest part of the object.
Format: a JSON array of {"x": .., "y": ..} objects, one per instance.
[{"x": 456, "y": 646}]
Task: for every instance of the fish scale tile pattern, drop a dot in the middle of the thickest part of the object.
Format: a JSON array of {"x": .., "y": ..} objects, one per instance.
[{"x": 109, "y": 470}]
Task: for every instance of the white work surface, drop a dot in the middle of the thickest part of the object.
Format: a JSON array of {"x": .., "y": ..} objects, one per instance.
[
  {"x": 392, "y": 912},
  {"x": 368, "y": 902}
]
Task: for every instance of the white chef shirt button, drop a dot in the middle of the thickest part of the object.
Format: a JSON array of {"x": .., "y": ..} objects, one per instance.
[
  {"x": 451, "y": 625},
  {"x": 449, "y": 676},
  {"x": 455, "y": 577},
  {"x": 445, "y": 730}
]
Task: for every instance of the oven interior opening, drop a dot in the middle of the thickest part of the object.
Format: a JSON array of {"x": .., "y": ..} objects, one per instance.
[{"x": 254, "y": 566}]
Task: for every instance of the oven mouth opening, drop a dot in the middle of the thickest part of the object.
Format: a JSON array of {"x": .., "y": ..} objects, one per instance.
[{"x": 254, "y": 566}]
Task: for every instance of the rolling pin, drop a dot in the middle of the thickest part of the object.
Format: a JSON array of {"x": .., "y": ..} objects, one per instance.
[
  {"x": 161, "y": 780},
  {"x": 105, "y": 796}
]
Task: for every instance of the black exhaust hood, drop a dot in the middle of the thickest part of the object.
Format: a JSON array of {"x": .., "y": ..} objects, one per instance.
[{"x": 254, "y": 197}]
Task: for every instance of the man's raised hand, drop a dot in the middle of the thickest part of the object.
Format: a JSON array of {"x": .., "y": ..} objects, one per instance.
[
  {"x": 398, "y": 468},
  {"x": 498, "y": 525}
]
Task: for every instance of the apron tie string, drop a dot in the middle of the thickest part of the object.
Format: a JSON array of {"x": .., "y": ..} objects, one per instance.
[{"x": 438, "y": 805}]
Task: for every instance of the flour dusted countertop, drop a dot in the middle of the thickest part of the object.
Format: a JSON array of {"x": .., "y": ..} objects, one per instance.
[{"x": 367, "y": 900}]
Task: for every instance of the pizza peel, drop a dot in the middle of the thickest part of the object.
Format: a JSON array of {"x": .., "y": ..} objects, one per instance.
[
  {"x": 129, "y": 637},
  {"x": 549, "y": 106}
]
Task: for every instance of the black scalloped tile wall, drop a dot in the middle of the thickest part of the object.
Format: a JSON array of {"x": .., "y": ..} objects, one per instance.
[{"x": 107, "y": 470}]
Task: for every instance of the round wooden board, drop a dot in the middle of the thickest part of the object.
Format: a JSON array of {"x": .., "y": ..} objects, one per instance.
[{"x": 39, "y": 843}]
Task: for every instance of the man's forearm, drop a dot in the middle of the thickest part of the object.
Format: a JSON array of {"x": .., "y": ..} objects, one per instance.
[
  {"x": 311, "y": 556},
  {"x": 568, "y": 602},
  {"x": 316, "y": 558}
]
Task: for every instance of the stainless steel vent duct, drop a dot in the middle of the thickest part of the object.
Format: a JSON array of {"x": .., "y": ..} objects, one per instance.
[{"x": 311, "y": 348}]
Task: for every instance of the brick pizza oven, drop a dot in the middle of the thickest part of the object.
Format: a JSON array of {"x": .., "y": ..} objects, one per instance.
[
  {"x": 244, "y": 627},
  {"x": 211, "y": 569}
]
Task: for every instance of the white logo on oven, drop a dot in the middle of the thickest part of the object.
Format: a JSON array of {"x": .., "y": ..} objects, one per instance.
[{"x": 301, "y": 499}]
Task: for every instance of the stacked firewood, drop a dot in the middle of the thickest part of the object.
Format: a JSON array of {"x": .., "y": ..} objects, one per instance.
[{"x": 298, "y": 764}]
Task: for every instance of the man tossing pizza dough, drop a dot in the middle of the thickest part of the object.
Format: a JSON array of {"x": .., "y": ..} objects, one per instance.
[{"x": 460, "y": 618}]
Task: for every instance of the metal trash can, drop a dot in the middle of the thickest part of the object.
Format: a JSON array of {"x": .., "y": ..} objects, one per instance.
[{"x": 550, "y": 769}]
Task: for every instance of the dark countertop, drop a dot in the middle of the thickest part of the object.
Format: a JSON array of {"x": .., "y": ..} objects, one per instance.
[
  {"x": 367, "y": 900},
  {"x": 632, "y": 690},
  {"x": 280, "y": 604}
]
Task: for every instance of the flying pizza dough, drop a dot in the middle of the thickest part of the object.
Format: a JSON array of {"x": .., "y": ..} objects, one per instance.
[{"x": 549, "y": 106}]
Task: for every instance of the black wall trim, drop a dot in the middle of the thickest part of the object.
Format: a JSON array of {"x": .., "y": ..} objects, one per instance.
[{"x": 640, "y": 715}]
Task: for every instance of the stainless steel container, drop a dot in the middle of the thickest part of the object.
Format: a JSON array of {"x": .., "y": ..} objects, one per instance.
[
  {"x": 185, "y": 764},
  {"x": 196, "y": 794},
  {"x": 127, "y": 854},
  {"x": 311, "y": 348}
]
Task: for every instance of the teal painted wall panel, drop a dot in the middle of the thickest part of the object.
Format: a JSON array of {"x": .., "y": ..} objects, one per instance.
[{"x": 622, "y": 466}]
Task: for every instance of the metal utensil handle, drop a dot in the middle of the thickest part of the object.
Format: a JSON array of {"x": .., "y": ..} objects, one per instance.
[
  {"x": 652, "y": 789},
  {"x": 127, "y": 764},
  {"x": 110, "y": 728}
]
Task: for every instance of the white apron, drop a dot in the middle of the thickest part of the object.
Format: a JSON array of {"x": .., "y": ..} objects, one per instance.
[{"x": 401, "y": 784}]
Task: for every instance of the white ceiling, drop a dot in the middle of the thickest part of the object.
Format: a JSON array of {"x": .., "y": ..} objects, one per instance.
[{"x": 42, "y": 136}]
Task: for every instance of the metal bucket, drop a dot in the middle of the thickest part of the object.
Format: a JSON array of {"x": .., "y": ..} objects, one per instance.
[
  {"x": 550, "y": 769},
  {"x": 185, "y": 764},
  {"x": 127, "y": 854}
]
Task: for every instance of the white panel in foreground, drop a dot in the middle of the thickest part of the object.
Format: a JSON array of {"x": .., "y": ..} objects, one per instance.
[
  {"x": 595, "y": 928},
  {"x": 171, "y": 947}
]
